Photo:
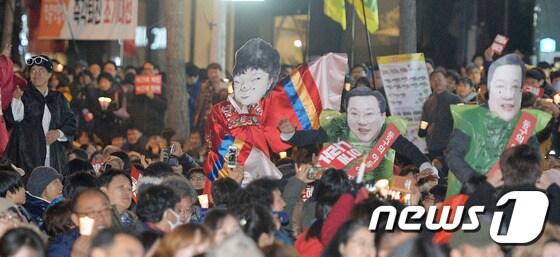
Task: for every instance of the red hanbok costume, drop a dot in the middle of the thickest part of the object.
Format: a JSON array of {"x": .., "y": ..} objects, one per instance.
[
  {"x": 228, "y": 125},
  {"x": 8, "y": 83},
  {"x": 253, "y": 130}
]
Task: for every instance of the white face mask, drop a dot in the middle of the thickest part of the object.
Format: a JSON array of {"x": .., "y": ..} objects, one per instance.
[
  {"x": 251, "y": 86},
  {"x": 173, "y": 225},
  {"x": 364, "y": 118},
  {"x": 505, "y": 92}
]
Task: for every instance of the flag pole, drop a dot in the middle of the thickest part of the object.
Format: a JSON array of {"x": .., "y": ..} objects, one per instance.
[
  {"x": 370, "y": 52},
  {"x": 353, "y": 32}
]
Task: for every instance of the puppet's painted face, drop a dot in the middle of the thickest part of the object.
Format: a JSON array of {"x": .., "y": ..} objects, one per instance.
[
  {"x": 505, "y": 92},
  {"x": 364, "y": 118},
  {"x": 250, "y": 86}
]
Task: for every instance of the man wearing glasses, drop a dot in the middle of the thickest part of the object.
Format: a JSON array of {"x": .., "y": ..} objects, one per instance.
[
  {"x": 91, "y": 212},
  {"x": 41, "y": 119}
]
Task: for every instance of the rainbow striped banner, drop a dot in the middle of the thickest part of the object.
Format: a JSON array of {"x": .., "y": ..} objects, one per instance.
[
  {"x": 217, "y": 160},
  {"x": 303, "y": 95}
]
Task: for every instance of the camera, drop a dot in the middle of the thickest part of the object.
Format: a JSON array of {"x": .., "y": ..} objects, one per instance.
[
  {"x": 168, "y": 158},
  {"x": 312, "y": 173},
  {"x": 232, "y": 157}
]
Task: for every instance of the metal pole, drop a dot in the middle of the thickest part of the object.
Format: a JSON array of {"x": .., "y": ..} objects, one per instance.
[
  {"x": 353, "y": 32},
  {"x": 306, "y": 53},
  {"x": 370, "y": 52},
  {"x": 506, "y": 17},
  {"x": 407, "y": 39},
  {"x": 367, "y": 33}
]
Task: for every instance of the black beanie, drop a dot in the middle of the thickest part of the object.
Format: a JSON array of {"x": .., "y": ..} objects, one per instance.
[{"x": 40, "y": 60}]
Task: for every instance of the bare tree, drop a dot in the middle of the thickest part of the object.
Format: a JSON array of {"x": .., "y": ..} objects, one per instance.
[
  {"x": 177, "y": 101},
  {"x": 8, "y": 26}
]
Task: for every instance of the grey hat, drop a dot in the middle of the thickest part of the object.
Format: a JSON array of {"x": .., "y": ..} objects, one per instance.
[{"x": 40, "y": 178}]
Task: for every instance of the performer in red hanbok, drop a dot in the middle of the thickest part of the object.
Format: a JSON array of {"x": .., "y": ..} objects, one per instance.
[
  {"x": 241, "y": 129},
  {"x": 235, "y": 126}
]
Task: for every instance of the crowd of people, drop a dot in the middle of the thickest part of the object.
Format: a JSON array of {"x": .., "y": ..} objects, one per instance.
[{"x": 85, "y": 176}]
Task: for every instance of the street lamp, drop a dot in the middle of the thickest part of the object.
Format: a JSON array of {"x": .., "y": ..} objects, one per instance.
[{"x": 548, "y": 45}]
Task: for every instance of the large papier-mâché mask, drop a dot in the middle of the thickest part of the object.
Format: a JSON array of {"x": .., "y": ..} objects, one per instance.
[
  {"x": 505, "y": 92},
  {"x": 251, "y": 86},
  {"x": 364, "y": 117}
]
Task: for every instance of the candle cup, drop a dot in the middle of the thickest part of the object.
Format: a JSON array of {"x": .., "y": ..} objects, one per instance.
[
  {"x": 203, "y": 200},
  {"x": 557, "y": 98},
  {"x": 104, "y": 102},
  {"x": 423, "y": 125},
  {"x": 86, "y": 226},
  {"x": 382, "y": 186},
  {"x": 347, "y": 86}
]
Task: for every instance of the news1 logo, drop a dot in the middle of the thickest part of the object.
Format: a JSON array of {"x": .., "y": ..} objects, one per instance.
[{"x": 526, "y": 224}]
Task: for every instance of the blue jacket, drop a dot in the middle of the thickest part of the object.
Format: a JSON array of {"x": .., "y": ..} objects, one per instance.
[
  {"x": 36, "y": 207},
  {"x": 193, "y": 92},
  {"x": 61, "y": 246}
]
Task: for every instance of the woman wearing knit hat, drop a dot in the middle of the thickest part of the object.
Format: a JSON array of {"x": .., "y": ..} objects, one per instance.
[{"x": 42, "y": 121}]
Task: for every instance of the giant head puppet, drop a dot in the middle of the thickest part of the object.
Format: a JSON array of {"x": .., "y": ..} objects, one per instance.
[
  {"x": 256, "y": 70},
  {"x": 365, "y": 113},
  {"x": 237, "y": 124},
  {"x": 505, "y": 80}
]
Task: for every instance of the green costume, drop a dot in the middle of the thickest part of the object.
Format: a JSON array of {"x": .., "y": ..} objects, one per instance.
[
  {"x": 336, "y": 127},
  {"x": 488, "y": 136}
]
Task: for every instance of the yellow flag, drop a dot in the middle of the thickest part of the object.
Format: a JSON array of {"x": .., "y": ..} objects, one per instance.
[
  {"x": 336, "y": 10},
  {"x": 371, "y": 13}
]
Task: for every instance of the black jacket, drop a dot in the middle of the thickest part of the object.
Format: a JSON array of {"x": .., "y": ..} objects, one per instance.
[
  {"x": 26, "y": 148},
  {"x": 35, "y": 207},
  {"x": 437, "y": 112},
  {"x": 148, "y": 114},
  {"x": 106, "y": 124}
]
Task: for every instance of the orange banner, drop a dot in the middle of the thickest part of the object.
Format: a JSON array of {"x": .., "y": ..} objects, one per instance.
[{"x": 88, "y": 19}]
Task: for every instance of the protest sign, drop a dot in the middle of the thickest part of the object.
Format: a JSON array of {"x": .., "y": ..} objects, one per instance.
[
  {"x": 407, "y": 86},
  {"x": 88, "y": 19},
  {"x": 338, "y": 155},
  {"x": 499, "y": 44},
  {"x": 146, "y": 83}
]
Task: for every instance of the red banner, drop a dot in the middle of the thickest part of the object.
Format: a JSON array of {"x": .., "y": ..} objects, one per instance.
[
  {"x": 338, "y": 155},
  {"x": 443, "y": 237},
  {"x": 307, "y": 192},
  {"x": 520, "y": 135},
  {"x": 376, "y": 155},
  {"x": 146, "y": 83}
]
